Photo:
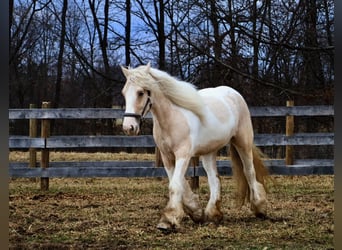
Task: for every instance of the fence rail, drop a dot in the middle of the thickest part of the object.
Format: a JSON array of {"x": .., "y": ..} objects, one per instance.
[
  {"x": 99, "y": 113},
  {"x": 110, "y": 169},
  {"x": 148, "y": 169},
  {"x": 146, "y": 141}
]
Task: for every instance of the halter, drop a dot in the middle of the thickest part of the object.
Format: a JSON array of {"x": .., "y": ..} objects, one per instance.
[{"x": 146, "y": 108}]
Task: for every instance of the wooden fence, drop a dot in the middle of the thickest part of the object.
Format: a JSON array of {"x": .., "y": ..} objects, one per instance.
[{"x": 45, "y": 143}]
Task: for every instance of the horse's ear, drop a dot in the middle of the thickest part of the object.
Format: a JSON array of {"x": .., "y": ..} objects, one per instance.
[
  {"x": 148, "y": 67},
  {"x": 124, "y": 71}
]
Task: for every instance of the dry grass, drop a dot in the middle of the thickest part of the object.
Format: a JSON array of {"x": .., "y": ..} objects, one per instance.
[
  {"x": 121, "y": 213},
  {"x": 17, "y": 156}
]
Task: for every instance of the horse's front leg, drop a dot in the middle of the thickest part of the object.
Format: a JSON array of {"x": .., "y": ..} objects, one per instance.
[
  {"x": 174, "y": 212},
  {"x": 213, "y": 210}
]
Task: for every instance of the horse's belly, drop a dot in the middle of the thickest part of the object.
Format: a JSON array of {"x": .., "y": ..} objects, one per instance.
[
  {"x": 206, "y": 148},
  {"x": 212, "y": 139}
]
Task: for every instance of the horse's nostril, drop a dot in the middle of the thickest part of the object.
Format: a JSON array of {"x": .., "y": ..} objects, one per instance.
[{"x": 132, "y": 128}]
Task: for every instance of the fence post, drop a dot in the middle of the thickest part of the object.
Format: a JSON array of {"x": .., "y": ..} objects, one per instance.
[
  {"x": 158, "y": 161},
  {"x": 289, "y": 132},
  {"x": 194, "y": 180},
  {"x": 45, "y": 133},
  {"x": 32, "y": 134}
]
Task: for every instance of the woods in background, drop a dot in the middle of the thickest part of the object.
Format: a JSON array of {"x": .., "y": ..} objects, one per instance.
[{"x": 69, "y": 51}]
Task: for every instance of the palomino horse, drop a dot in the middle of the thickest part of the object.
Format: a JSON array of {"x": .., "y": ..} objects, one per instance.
[{"x": 188, "y": 123}]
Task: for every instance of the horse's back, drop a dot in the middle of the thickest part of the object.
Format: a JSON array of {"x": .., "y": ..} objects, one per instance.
[
  {"x": 225, "y": 109},
  {"x": 224, "y": 100},
  {"x": 230, "y": 107},
  {"x": 220, "y": 91}
]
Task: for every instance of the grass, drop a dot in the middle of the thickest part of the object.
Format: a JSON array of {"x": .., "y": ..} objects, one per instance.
[
  {"x": 122, "y": 213},
  {"x": 17, "y": 156}
]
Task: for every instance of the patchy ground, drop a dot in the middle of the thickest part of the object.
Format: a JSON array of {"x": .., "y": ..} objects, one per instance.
[{"x": 122, "y": 213}]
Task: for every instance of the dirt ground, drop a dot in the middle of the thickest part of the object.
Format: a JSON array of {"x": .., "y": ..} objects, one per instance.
[{"x": 122, "y": 213}]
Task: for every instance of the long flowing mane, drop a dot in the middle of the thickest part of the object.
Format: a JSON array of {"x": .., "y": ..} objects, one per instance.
[{"x": 180, "y": 93}]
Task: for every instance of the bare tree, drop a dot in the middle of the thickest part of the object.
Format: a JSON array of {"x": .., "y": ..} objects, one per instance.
[
  {"x": 128, "y": 33},
  {"x": 282, "y": 48},
  {"x": 102, "y": 34},
  {"x": 313, "y": 73},
  {"x": 155, "y": 21},
  {"x": 27, "y": 60},
  {"x": 60, "y": 54}
]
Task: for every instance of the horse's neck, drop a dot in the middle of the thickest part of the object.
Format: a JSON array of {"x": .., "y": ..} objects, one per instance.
[{"x": 162, "y": 110}]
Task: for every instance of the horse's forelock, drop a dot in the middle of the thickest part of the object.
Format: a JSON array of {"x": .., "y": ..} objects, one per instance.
[{"x": 138, "y": 76}]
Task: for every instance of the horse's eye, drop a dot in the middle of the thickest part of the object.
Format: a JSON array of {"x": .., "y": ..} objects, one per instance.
[{"x": 140, "y": 93}]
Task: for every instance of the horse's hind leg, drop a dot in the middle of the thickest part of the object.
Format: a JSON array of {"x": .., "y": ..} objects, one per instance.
[
  {"x": 256, "y": 189},
  {"x": 213, "y": 210}
]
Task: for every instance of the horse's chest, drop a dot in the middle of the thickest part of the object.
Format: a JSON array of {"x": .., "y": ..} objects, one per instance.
[
  {"x": 162, "y": 141},
  {"x": 171, "y": 140}
]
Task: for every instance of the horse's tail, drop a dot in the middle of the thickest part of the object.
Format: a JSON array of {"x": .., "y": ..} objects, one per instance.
[{"x": 243, "y": 191}]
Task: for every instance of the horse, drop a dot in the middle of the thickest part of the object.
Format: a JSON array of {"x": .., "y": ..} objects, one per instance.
[{"x": 188, "y": 122}]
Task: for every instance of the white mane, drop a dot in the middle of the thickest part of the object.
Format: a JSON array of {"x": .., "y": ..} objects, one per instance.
[{"x": 181, "y": 93}]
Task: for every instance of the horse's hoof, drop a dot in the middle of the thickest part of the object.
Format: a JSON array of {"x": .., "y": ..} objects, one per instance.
[
  {"x": 259, "y": 210},
  {"x": 214, "y": 216},
  {"x": 261, "y": 216},
  {"x": 197, "y": 217},
  {"x": 217, "y": 219},
  {"x": 165, "y": 227}
]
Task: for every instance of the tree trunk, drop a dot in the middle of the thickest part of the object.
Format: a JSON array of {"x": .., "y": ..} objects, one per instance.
[
  {"x": 255, "y": 66},
  {"x": 234, "y": 51},
  {"x": 107, "y": 99},
  {"x": 60, "y": 55},
  {"x": 161, "y": 35},
  {"x": 312, "y": 62},
  {"x": 128, "y": 33},
  {"x": 10, "y": 16},
  {"x": 216, "y": 78},
  {"x": 216, "y": 29}
]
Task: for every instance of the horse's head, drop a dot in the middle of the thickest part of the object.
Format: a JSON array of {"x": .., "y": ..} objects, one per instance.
[{"x": 137, "y": 100}]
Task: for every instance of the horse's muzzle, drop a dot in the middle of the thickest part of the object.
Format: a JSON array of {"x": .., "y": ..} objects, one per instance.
[{"x": 130, "y": 126}]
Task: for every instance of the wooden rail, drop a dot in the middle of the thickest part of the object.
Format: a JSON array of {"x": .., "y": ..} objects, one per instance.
[
  {"x": 99, "y": 113},
  {"x": 148, "y": 169},
  {"x": 112, "y": 169},
  {"x": 146, "y": 141}
]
